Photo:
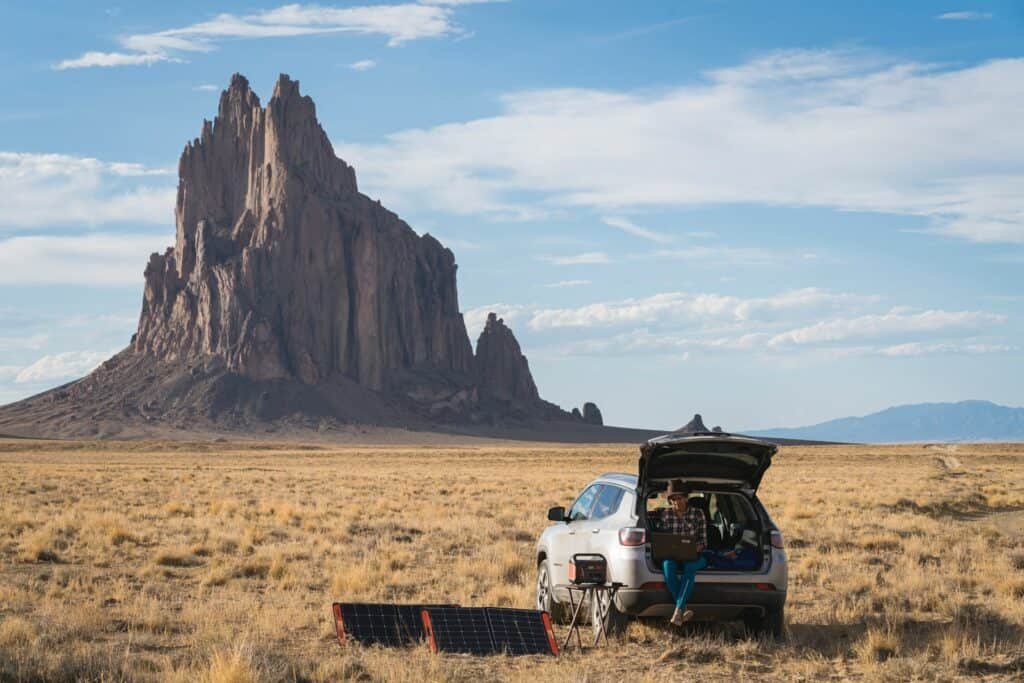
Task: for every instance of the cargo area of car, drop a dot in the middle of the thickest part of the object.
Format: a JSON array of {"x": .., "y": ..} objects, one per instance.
[{"x": 733, "y": 524}]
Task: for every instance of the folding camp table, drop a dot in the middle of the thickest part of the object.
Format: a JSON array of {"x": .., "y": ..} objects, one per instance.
[{"x": 582, "y": 591}]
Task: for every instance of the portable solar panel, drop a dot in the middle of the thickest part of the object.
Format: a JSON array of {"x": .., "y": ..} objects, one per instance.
[
  {"x": 458, "y": 629},
  {"x": 379, "y": 624},
  {"x": 522, "y": 631},
  {"x": 489, "y": 630}
]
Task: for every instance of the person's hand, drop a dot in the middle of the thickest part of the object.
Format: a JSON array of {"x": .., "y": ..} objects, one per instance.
[{"x": 731, "y": 555}]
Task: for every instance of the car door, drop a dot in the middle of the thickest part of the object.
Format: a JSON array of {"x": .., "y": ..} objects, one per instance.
[
  {"x": 599, "y": 531},
  {"x": 572, "y": 537}
]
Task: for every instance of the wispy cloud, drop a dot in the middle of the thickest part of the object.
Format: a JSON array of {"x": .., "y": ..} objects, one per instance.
[
  {"x": 476, "y": 317},
  {"x": 587, "y": 257},
  {"x": 59, "y": 189},
  {"x": 880, "y": 325},
  {"x": 108, "y": 59},
  {"x": 362, "y": 65},
  {"x": 206, "y": 87},
  {"x": 964, "y": 16},
  {"x": 851, "y": 131},
  {"x": 567, "y": 283},
  {"x": 61, "y": 366},
  {"x": 93, "y": 259},
  {"x": 628, "y": 226},
  {"x": 924, "y": 349},
  {"x": 399, "y": 23},
  {"x": 676, "y": 306}
]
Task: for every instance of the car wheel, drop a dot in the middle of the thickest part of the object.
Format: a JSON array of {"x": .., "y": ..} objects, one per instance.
[
  {"x": 603, "y": 608},
  {"x": 546, "y": 600},
  {"x": 771, "y": 624}
]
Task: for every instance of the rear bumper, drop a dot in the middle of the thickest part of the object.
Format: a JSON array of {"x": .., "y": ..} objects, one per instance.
[{"x": 709, "y": 601}]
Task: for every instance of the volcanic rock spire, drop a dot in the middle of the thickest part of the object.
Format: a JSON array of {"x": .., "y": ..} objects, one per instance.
[{"x": 284, "y": 270}]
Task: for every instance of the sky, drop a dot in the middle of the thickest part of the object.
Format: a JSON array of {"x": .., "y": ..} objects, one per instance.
[{"x": 770, "y": 213}]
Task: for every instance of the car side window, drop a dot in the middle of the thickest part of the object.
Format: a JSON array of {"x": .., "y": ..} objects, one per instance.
[
  {"x": 608, "y": 502},
  {"x": 581, "y": 508}
]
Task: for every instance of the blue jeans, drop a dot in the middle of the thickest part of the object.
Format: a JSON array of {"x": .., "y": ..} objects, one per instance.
[{"x": 682, "y": 590}]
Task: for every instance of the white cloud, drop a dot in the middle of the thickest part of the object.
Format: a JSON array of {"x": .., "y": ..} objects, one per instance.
[
  {"x": 475, "y": 318},
  {"x": 207, "y": 87},
  {"x": 964, "y": 16},
  {"x": 921, "y": 349},
  {"x": 675, "y": 306},
  {"x": 61, "y": 366},
  {"x": 362, "y": 65},
  {"x": 59, "y": 189},
  {"x": 90, "y": 259},
  {"x": 587, "y": 257},
  {"x": 459, "y": 2},
  {"x": 722, "y": 255},
  {"x": 632, "y": 228},
  {"x": 398, "y": 23},
  {"x": 845, "y": 130},
  {"x": 31, "y": 342},
  {"x": 897, "y": 321},
  {"x": 567, "y": 283},
  {"x": 90, "y": 59}
]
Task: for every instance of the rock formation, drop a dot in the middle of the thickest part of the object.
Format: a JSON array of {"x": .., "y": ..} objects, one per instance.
[
  {"x": 592, "y": 414},
  {"x": 693, "y": 426},
  {"x": 284, "y": 270},
  {"x": 291, "y": 298},
  {"x": 502, "y": 370}
]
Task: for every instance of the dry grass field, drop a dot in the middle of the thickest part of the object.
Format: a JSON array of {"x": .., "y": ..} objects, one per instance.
[{"x": 216, "y": 561}]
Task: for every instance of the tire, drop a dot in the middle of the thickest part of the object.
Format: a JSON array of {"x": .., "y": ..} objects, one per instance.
[
  {"x": 772, "y": 624},
  {"x": 545, "y": 596},
  {"x": 603, "y": 608}
]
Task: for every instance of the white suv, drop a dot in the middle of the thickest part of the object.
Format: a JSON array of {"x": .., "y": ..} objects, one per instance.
[{"x": 610, "y": 518}]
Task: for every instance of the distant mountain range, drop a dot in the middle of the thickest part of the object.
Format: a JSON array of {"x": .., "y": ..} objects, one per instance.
[{"x": 963, "y": 421}]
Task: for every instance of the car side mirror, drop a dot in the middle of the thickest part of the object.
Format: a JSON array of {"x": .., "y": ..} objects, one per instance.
[{"x": 557, "y": 514}]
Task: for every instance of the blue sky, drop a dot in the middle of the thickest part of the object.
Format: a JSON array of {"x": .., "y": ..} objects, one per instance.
[{"x": 770, "y": 213}]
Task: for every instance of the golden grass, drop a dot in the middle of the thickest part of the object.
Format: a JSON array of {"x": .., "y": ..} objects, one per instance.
[{"x": 218, "y": 562}]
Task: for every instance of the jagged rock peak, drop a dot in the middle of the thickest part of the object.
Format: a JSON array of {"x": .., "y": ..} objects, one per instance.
[
  {"x": 284, "y": 270},
  {"x": 502, "y": 370},
  {"x": 693, "y": 426}
]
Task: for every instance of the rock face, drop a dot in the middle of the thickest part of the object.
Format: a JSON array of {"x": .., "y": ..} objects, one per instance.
[
  {"x": 292, "y": 301},
  {"x": 592, "y": 414},
  {"x": 284, "y": 270},
  {"x": 693, "y": 426}
]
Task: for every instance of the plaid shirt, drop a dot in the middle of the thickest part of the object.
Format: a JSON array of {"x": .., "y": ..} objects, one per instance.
[{"x": 691, "y": 523}]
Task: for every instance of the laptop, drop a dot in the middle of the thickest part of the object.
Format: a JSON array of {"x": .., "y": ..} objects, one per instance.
[{"x": 665, "y": 546}]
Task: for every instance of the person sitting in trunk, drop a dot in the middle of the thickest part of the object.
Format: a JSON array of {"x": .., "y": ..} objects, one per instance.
[{"x": 680, "y": 518}]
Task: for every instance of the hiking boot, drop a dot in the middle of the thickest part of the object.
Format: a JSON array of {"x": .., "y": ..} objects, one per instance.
[{"x": 679, "y": 617}]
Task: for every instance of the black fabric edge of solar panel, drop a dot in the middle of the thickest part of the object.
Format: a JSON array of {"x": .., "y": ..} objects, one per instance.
[{"x": 408, "y": 614}]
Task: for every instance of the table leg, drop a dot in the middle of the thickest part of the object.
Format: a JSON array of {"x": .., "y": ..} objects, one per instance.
[
  {"x": 599, "y": 612},
  {"x": 574, "y": 626}
]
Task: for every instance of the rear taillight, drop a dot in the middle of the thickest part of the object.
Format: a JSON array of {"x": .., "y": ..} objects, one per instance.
[
  {"x": 632, "y": 536},
  {"x": 777, "y": 540}
]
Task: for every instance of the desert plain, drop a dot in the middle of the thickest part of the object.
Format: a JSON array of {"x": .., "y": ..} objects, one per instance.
[{"x": 218, "y": 561}]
